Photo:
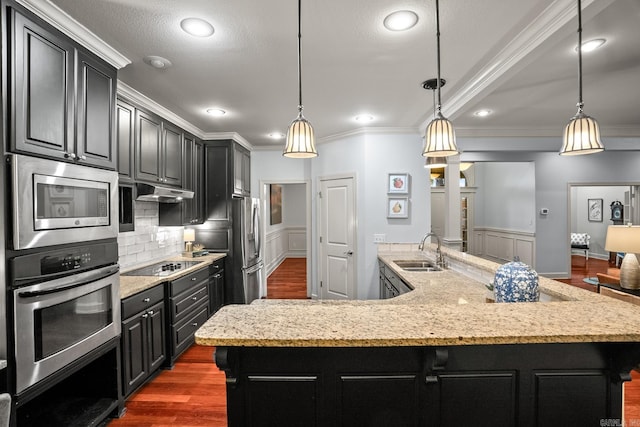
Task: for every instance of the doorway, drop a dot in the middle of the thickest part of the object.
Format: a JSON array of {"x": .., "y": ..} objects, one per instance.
[
  {"x": 584, "y": 220},
  {"x": 286, "y": 224}
]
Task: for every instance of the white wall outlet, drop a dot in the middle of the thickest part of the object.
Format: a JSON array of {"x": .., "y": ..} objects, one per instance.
[{"x": 379, "y": 238}]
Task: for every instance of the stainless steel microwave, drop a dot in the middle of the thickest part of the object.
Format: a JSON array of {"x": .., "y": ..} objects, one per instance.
[{"x": 57, "y": 203}]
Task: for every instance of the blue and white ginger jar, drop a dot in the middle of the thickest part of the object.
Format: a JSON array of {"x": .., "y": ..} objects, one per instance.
[{"x": 516, "y": 282}]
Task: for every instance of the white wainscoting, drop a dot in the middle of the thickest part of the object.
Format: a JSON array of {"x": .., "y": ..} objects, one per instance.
[
  {"x": 504, "y": 245},
  {"x": 288, "y": 242}
]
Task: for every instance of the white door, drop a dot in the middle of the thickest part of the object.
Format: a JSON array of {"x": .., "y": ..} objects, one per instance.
[{"x": 338, "y": 237}]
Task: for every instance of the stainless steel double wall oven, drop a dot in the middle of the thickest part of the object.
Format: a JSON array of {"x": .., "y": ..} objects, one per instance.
[{"x": 63, "y": 264}]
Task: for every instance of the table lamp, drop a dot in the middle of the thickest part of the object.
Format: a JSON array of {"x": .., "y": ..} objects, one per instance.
[
  {"x": 189, "y": 237},
  {"x": 626, "y": 238}
]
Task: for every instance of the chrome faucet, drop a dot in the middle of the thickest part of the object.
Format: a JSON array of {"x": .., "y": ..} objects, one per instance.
[{"x": 439, "y": 257}]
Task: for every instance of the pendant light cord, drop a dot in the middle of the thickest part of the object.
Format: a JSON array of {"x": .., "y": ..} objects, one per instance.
[
  {"x": 299, "y": 57},
  {"x": 438, "y": 52},
  {"x": 580, "y": 103}
]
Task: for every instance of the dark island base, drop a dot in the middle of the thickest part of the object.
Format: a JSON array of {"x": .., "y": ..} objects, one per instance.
[{"x": 489, "y": 385}]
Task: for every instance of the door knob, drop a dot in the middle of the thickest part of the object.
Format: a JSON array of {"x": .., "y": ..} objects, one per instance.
[{"x": 349, "y": 253}]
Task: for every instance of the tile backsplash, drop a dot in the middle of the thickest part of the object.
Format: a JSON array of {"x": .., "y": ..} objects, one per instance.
[{"x": 148, "y": 242}]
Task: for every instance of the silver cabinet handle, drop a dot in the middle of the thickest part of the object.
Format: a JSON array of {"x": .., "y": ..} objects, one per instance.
[
  {"x": 195, "y": 324},
  {"x": 146, "y": 300},
  {"x": 193, "y": 279},
  {"x": 144, "y": 316},
  {"x": 70, "y": 155},
  {"x": 83, "y": 157},
  {"x": 150, "y": 312},
  {"x": 195, "y": 298}
]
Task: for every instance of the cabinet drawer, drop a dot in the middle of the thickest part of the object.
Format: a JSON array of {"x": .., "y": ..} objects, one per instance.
[
  {"x": 217, "y": 266},
  {"x": 183, "y": 304},
  {"x": 183, "y": 333},
  {"x": 182, "y": 284},
  {"x": 142, "y": 301}
]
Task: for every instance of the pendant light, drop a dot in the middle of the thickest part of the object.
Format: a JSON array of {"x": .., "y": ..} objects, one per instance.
[
  {"x": 582, "y": 134},
  {"x": 433, "y": 162},
  {"x": 301, "y": 142},
  {"x": 440, "y": 137}
]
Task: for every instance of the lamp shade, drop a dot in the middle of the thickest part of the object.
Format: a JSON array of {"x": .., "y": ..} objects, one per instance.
[
  {"x": 440, "y": 139},
  {"x": 435, "y": 162},
  {"x": 301, "y": 141},
  {"x": 189, "y": 235},
  {"x": 623, "y": 238},
  {"x": 581, "y": 136}
]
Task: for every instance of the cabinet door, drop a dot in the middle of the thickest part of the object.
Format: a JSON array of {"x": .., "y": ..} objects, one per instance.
[
  {"x": 43, "y": 89},
  {"x": 216, "y": 292},
  {"x": 148, "y": 147},
  {"x": 95, "y": 143},
  {"x": 157, "y": 336},
  {"x": 246, "y": 173},
  {"x": 217, "y": 189},
  {"x": 238, "y": 176},
  {"x": 172, "y": 155},
  {"x": 188, "y": 211},
  {"x": 384, "y": 400},
  {"x": 134, "y": 352},
  {"x": 125, "y": 121},
  {"x": 198, "y": 184}
]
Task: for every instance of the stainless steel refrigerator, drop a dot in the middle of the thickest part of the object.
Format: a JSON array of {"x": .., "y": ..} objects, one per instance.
[{"x": 248, "y": 268}]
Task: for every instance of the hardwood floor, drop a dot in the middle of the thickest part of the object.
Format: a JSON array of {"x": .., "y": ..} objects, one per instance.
[
  {"x": 193, "y": 393},
  {"x": 581, "y": 269}
]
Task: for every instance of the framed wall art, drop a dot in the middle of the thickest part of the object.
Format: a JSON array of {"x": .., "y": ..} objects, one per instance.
[
  {"x": 275, "y": 199},
  {"x": 398, "y": 183},
  {"x": 398, "y": 207},
  {"x": 594, "y": 210}
]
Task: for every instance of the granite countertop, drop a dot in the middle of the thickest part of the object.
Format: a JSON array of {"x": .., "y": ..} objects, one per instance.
[
  {"x": 130, "y": 285},
  {"x": 445, "y": 308}
]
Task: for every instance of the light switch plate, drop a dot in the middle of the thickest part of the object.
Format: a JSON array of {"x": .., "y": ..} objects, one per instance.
[{"x": 379, "y": 238}]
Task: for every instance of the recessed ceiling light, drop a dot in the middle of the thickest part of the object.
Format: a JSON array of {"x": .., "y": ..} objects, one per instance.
[
  {"x": 400, "y": 20},
  {"x": 217, "y": 112},
  {"x": 591, "y": 45},
  {"x": 482, "y": 113},
  {"x": 157, "y": 62},
  {"x": 363, "y": 118},
  {"x": 197, "y": 27},
  {"x": 276, "y": 135}
]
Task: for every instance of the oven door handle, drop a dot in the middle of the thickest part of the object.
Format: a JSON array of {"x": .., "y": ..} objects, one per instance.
[
  {"x": 55, "y": 276},
  {"x": 86, "y": 280}
]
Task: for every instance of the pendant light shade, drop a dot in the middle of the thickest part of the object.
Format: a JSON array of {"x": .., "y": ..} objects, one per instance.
[
  {"x": 301, "y": 141},
  {"x": 582, "y": 134},
  {"x": 440, "y": 137},
  {"x": 435, "y": 162}
]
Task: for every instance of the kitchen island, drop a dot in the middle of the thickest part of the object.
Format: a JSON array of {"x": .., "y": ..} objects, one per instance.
[{"x": 437, "y": 355}]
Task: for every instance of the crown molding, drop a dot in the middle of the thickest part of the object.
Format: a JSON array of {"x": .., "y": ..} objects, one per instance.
[
  {"x": 213, "y": 136},
  {"x": 368, "y": 131},
  {"x": 550, "y": 21},
  {"x": 81, "y": 34}
]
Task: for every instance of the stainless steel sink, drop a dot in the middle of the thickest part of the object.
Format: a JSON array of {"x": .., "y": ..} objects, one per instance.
[{"x": 417, "y": 265}]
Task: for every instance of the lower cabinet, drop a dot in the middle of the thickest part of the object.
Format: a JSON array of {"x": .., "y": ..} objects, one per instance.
[
  {"x": 216, "y": 286},
  {"x": 390, "y": 284},
  {"x": 188, "y": 299},
  {"x": 143, "y": 337},
  {"x": 519, "y": 385}
]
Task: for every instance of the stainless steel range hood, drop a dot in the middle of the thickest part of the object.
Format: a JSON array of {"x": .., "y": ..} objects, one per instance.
[{"x": 156, "y": 193}]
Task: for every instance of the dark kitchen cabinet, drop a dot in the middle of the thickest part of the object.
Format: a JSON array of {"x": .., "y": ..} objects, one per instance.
[
  {"x": 216, "y": 286},
  {"x": 241, "y": 171},
  {"x": 189, "y": 211},
  {"x": 125, "y": 137},
  {"x": 143, "y": 337},
  {"x": 188, "y": 298},
  {"x": 159, "y": 150},
  {"x": 64, "y": 96},
  {"x": 390, "y": 284}
]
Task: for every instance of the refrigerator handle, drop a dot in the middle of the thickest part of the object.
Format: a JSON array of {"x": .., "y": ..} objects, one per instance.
[{"x": 256, "y": 227}]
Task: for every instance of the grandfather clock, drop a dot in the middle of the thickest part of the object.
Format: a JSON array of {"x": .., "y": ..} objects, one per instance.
[{"x": 617, "y": 211}]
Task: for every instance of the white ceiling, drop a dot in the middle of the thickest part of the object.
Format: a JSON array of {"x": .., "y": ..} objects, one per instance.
[{"x": 514, "y": 57}]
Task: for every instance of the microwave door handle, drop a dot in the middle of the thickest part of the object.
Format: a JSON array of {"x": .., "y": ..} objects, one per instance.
[{"x": 101, "y": 274}]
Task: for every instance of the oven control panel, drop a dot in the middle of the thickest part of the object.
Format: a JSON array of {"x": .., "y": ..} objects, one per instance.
[{"x": 65, "y": 260}]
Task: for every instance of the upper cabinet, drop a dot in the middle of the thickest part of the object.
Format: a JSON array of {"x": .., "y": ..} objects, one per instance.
[
  {"x": 64, "y": 96},
  {"x": 241, "y": 171},
  {"x": 125, "y": 134},
  {"x": 159, "y": 150}
]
